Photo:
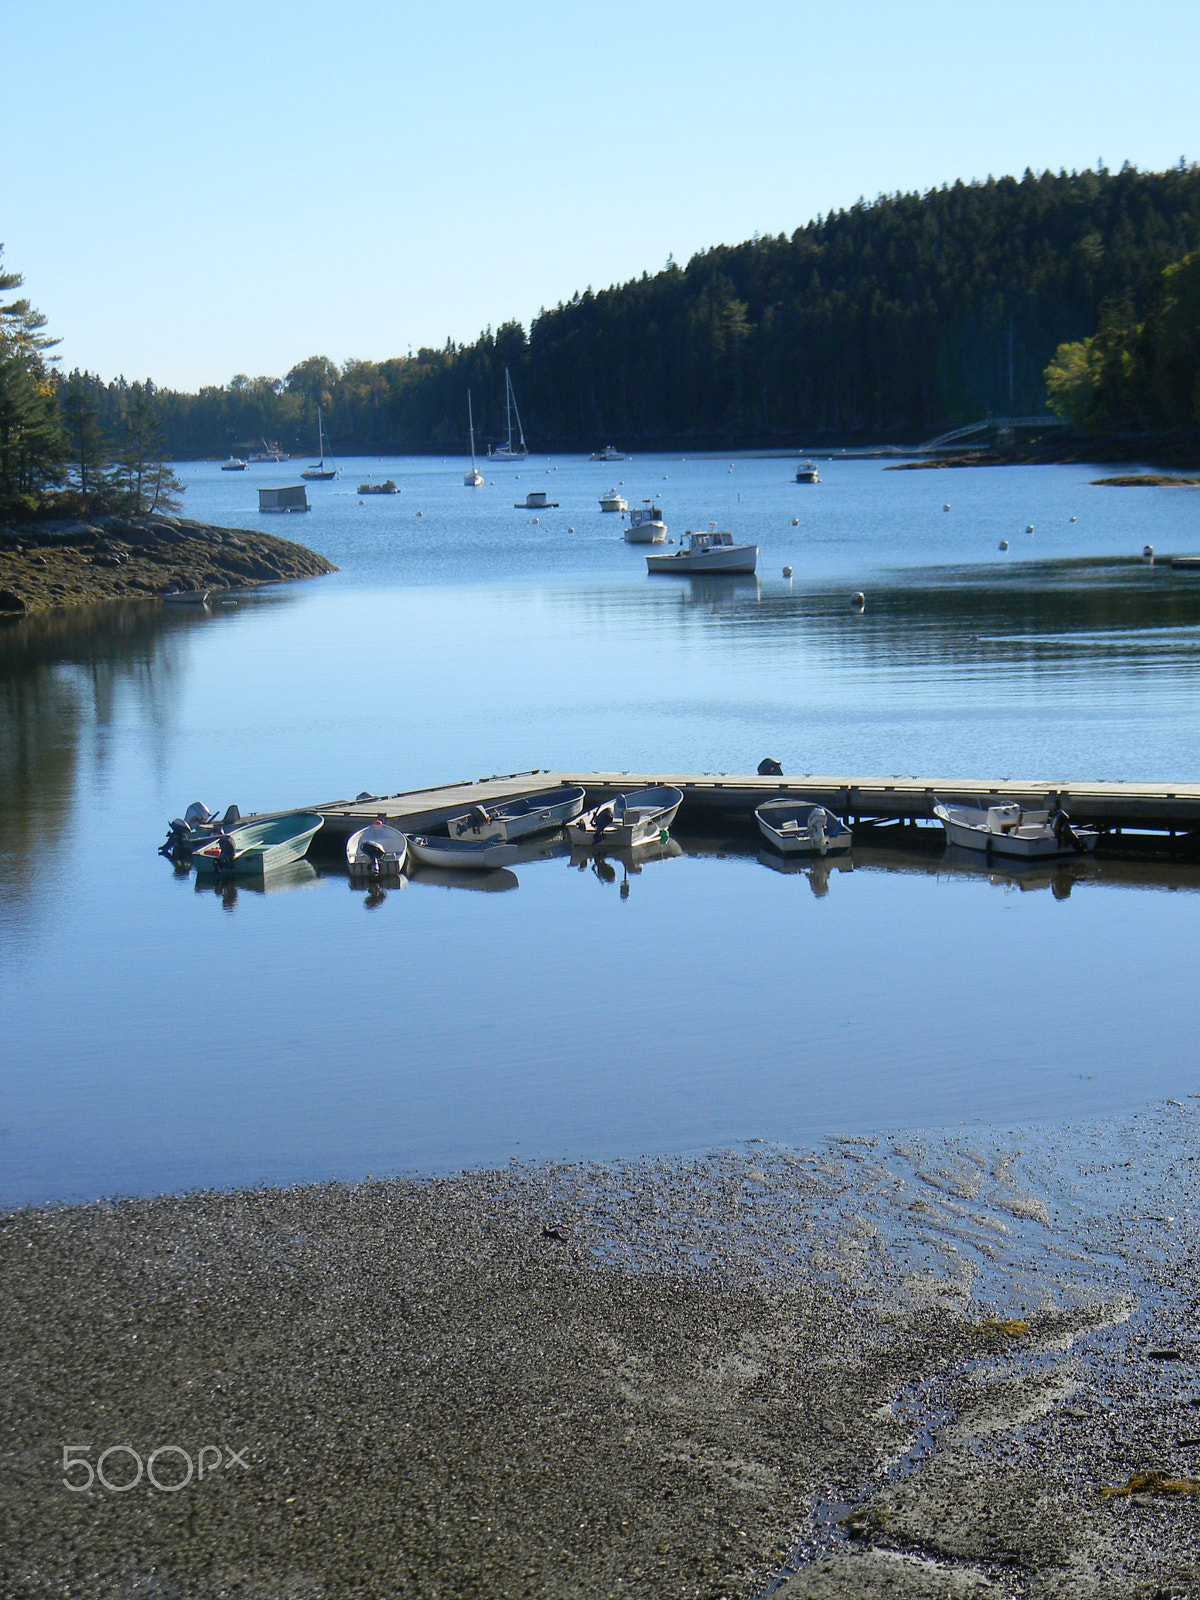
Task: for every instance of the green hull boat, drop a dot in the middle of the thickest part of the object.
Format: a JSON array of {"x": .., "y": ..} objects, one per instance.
[{"x": 256, "y": 847}]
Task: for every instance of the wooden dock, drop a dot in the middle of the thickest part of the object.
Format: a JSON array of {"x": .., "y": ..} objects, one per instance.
[{"x": 1113, "y": 807}]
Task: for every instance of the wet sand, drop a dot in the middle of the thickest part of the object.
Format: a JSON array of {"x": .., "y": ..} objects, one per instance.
[{"x": 893, "y": 1366}]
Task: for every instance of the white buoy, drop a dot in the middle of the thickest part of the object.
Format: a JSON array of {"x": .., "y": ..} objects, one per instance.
[
  {"x": 1074, "y": 519},
  {"x": 1029, "y": 527},
  {"x": 570, "y": 530},
  {"x": 1148, "y": 551},
  {"x": 420, "y": 513},
  {"x": 536, "y": 520},
  {"x": 795, "y": 522},
  {"x": 858, "y": 600},
  {"x": 1004, "y": 544},
  {"x": 787, "y": 572},
  {"x": 946, "y": 507}
]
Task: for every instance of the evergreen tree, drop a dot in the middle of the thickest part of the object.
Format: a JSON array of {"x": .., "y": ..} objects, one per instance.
[{"x": 31, "y": 442}]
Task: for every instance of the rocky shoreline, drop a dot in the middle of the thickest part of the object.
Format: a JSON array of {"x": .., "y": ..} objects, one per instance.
[
  {"x": 51, "y": 564},
  {"x": 897, "y": 1366}
]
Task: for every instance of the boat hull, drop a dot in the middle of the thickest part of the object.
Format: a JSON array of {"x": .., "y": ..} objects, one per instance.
[
  {"x": 364, "y": 863},
  {"x": 797, "y": 829},
  {"x": 522, "y": 818},
  {"x": 646, "y": 533},
  {"x": 726, "y": 559},
  {"x": 261, "y": 846},
  {"x": 1035, "y": 839},
  {"x": 474, "y": 855},
  {"x": 647, "y": 815}
]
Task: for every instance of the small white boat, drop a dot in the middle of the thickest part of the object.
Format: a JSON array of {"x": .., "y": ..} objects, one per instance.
[
  {"x": 478, "y": 855},
  {"x": 535, "y": 500},
  {"x": 613, "y": 501},
  {"x": 796, "y": 828},
  {"x": 474, "y": 478},
  {"x": 234, "y": 464},
  {"x": 609, "y": 453},
  {"x": 185, "y": 597},
  {"x": 1014, "y": 830},
  {"x": 627, "y": 820},
  {"x": 516, "y": 819},
  {"x": 252, "y": 847},
  {"x": 707, "y": 552},
  {"x": 806, "y": 472},
  {"x": 646, "y": 525},
  {"x": 510, "y": 451},
  {"x": 376, "y": 851},
  {"x": 320, "y": 473}
]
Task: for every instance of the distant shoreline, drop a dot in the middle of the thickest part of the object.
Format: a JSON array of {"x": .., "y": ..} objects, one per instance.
[{"x": 50, "y": 565}]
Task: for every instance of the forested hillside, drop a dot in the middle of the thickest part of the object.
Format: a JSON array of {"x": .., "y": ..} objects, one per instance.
[{"x": 894, "y": 320}]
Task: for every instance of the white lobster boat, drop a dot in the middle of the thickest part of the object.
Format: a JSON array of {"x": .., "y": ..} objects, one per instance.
[
  {"x": 478, "y": 855},
  {"x": 627, "y": 820},
  {"x": 796, "y": 828},
  {"x": 517, "y": 819},
  {"x": 376, "y": 851},
  {"x": 614, "y": 500},
  {"x": 646, "y": 525},
  {"x": 1014, "y": 830},
  {"x": 713, "y": 551}
]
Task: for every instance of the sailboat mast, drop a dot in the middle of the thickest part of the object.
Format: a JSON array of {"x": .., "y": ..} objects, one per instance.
[
  {"x": 508, "y": 407},
  {"x": 471, "y": 427}
]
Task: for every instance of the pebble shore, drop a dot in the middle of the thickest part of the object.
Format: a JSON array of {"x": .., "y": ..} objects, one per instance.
[
  {"x": 879, "y": 1369},
  {"x": 47, "y": 565}
]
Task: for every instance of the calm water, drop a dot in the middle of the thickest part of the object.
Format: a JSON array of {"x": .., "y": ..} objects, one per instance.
[{"x": 158, "y": 1037}]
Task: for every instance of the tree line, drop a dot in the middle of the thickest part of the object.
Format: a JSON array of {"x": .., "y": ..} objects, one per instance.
[{"x": 893, "y": 319}]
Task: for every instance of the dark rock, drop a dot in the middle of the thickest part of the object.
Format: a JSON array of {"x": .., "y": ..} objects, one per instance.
[{"x": 11, "y": 603}]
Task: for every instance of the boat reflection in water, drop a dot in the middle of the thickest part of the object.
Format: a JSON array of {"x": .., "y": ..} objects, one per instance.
[
  {"x": 495, "y": 881},
  {"x": 719, "y": 594},
  {"x": 605, "y": 862},
  {"x": 1059, "y": 876},
  {"x": 817, "y": 869},
  {"x": 292, "y": 875}
]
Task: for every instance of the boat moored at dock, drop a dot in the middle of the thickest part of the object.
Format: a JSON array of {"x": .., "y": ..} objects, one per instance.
[
  {"x": 1014, "y": 830},
  {"x": 376, "y": 851},
  {"x": 627, "y": 820},
  {"x": 796, "y": 829},
  {"x": 477, "y": 855},
  {"x": 258, "y": 846},
  {"x": 518, "y": 819}
]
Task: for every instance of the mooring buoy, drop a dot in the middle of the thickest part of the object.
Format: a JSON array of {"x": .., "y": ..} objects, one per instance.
[
  {"x": 787, "y": 572},
  {"x": 858, "y": 599},
  {"x": 946, "y": 507},
  {"x": 1004, "y": 544}
]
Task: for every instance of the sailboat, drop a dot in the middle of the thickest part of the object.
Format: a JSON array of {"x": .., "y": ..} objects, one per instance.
[
  {"x": 320, "y": 473},
  {"x": 474, "y": 478},
  {"x": 507, "y": 452}
]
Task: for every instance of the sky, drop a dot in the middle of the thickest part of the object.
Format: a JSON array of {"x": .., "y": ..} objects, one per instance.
[{"x": 193, "y": 191}]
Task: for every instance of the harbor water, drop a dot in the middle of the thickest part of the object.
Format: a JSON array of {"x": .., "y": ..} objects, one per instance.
[{"x": 160, "y": 1035}]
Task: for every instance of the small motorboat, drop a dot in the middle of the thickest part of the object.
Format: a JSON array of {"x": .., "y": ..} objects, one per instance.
[
  {"x": 516, "y": 819},
  {"x": 613, "y": 501},
  {"x": 234, "y": 464},
  {"x": 627, "y": 820},
  {"x": 185, "y": 597},
  {"x": 253, "y": 847},
  {"x": 609, "y": 453},
  {"x": 198, "y": 825},
  {"x": 796, "y": 828},
  {"x": 477, "y": 855},
  {"x": 646, "y": 525},
  {"x": 713, "y": 551},
  {"x": 376, "y": 851},
  {"x": 388, "y": 486},
  {"x": 1014, "y": 830},
  {"x": 806, "y": 472}
]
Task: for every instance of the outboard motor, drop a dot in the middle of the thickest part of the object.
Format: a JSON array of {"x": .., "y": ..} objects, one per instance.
[
  {"x": 480, "y": 816},
  {"x": 816, "y": 829},
  {"x": 376, "y": 851},
  {"x": 769, "y": 768},
  {"x": 1064, "y": 832},
  {"x": 604, "y": 819},
  {"x": 226, "y": 854},
  {"x": 175, "y": 847}
]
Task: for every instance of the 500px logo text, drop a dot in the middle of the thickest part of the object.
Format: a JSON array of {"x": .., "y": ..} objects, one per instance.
[{"x": 168, "y": 1468}]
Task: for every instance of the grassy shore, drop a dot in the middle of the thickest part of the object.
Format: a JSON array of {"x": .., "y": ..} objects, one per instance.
[{"x": 712, "y": 1378}]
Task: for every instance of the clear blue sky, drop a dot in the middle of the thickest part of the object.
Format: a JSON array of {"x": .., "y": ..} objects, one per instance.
[{"x": 197, "y": 190}]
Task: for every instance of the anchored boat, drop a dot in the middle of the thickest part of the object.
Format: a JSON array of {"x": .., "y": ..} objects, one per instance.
[
  {"x": 646, "y": 525},
  {"x": 713, "y": 551},
  {"x": 480, "y": 855}
]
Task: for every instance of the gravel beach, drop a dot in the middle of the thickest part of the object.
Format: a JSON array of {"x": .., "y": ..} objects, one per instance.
[{"x": 889, "y": 1367}]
